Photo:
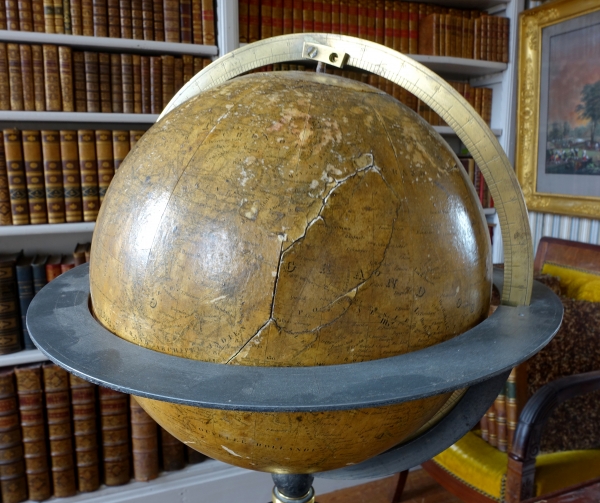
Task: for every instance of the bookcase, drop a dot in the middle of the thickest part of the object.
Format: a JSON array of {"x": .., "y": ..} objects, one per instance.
[{"x": 214, "y": 481}]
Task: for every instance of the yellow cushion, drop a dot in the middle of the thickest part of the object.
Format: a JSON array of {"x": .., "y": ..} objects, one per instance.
[
  {"x": 577, "y": 284},
  {"x": 483, "y": 467}
]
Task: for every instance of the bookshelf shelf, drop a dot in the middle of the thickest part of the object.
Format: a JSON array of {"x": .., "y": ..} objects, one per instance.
[
  {"x": 108, "y": 44},
  {"x": 46, "y": 229},
  {"x": 25, "y": 356},
  {"x": 74, "y": 120},
  {"x": 448, "y": 131},
  {"x": 460, "y": 68}
]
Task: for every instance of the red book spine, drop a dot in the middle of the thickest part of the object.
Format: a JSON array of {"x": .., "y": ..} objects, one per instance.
[
  {"x": 288, "y": 17},
  {"x": 266, "y": 13},
  {"x": 380, "y": 22},
  {"x": 343, "y": 17},
  {"x": 326, "y": 6},
  {"x": 277, "y": 18},
  {"x": 353, "y": 18}
]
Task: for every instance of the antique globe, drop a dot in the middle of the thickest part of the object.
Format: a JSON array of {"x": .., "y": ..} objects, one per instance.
[{"x": 291, "y": 219}]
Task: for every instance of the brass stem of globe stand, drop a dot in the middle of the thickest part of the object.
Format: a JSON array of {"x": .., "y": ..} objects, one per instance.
[{"x": 293, "y": 488}]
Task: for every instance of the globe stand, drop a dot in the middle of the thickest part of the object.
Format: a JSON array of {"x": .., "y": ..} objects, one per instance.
[{"x": 293, "y": 488}]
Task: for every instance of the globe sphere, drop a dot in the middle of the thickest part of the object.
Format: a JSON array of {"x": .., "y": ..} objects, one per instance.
[{"x": 291, "y": 219}]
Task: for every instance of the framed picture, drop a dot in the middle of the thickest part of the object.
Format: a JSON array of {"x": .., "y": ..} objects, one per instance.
[{"x": 558, "y": 113}]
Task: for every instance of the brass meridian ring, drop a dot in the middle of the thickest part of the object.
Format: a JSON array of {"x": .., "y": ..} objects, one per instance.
[{"x": 438, "y": 95}]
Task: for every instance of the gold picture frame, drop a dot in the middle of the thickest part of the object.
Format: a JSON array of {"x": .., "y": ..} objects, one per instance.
[{"x": 557, "y": 166}]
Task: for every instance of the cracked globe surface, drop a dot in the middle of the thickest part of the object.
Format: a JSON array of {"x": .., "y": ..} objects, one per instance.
[{"x": 291, "y": 219}]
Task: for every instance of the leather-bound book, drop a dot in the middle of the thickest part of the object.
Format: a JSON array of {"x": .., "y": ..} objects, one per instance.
[
  {"x": 505, "y": 38},
  {"x": 363, "y": 19},
  {"x": 147, "y": 20},
  {"x": 127, "y": 79},
  {"x": 88, "y": 171},
  {"x": 10, "y": 320},
  {"x": 353, "y": 18},
  {"x": 177, "y": 74},
  {"x": 59, "y": 22},
  {"x": 100, "y": 18},
  {"x": 39, "y": 94},
  {"x": 429, "y": 33},
  {"x": 4, "y": 79},
  {"x": 327, "y": 7},
  {"x": 125, "y": 14},
  {"x": 404, "y": 27},
  {"x": 492, "y": 426},
  {"x": 79, "y": 253},
  {"x": 12, "y": 14},
  {"x": 3, "y": 19},
  {"x": 92, "y": 81},
  {"x": 49, "y": 16},
  {"x": 288, "y": 16},
  {"x": 34, "y": 172},
  {"x": 25, "y": 15},
  {"x": 254, "y": 20},
  {"x": 136, "y": 65},
  {"x": 67, "y": 17},
  {"x": 120, "y": 147},
  {"x": 53, "y": 270},
  {"x": 24, "y": 276},
  {"x": 144, "y": 440},
  {"x": 15, "y": 170},
  {"x": 188, "y": 67},
  {"x": 266, "y": 14},
  {"x": 484, "y": 427},
  {"x": 193, "y": 457},
  {"x": 380, "y": 21},
  {"x": 156, "y": 104},
  {"x": 171, "y": 20},
  {"x": 146, "y": 90},
  {"x": 134, "y": 137},
  {"x": 500, "y": 407},
  {"x": 168, "y": 89},
  {"x": 83, "y": 400},
  {"x": 137, "y": 30},
  {"x": 114, "y": 422},
  {"x": 486, "y": 104},
  {"x": 71, "y": 180},
  {"x": 52, "y": 78},
  {"x": 87, "y": 17},
  {"x": 242, "y": 18},
  {"x": 27, "y": 75},
  {"x": 13, "y": 481},
  {"x": 66, "y": 78},
  {"x": 60, "y": 434},
  {"x": 105, "y": 82},
  {"x": 76, "y": 17},
  {"x": 80, "y": 95},
  {"x": 67, "y": 262},
  {"x": 38, "y": 270},
  {"x": 413, "y": 28},
  {"x": 172, "y": 451},
  {"x": 37, "y": 16},
  {"x": 15, "y": 77},
  {"x": 159, "y": 20},
  {"x": 116, "y": 83},
  {"x": 106, "y": 165},
  {"x": 388, "y": 33},
  {"x": 512, "y": 412},
  {"x": 198, "y": 65},
  {"x": 185, "y": 21},
  {"x": 5, "y": 212},
  {"x": 33, "y": 429},
  {"x": 114, "y": 18},
  {"x": 317, "y": 25},
  {"x": 208, "y": 22},
  {"x": 344, "y": 17}
]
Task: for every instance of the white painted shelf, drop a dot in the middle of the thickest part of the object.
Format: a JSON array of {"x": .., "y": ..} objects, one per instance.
[
  {"x": 459, "y": 67},
  {"x": 108, "y": 44},
  {"x": 66, "y": 120},
  {"x": 26, "y": 356},
  {"x": 46, "y": 229}
]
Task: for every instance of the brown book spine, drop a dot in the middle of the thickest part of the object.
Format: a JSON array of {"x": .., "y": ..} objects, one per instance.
[
  {"x": 5, "y": 211},
  {"x": 194, "y": 457},
  {"x": 484, "y": 427},
  {"x": 208, "y": 22},
  {"x": 146, "y": 89},
  {"x": 363, "y": 19},
  {"x": 500, "y": 407},
  {"x": 288, "y": 17},
  {"x": 3, "y": 25},
  {"x": 404, "y": 27},
  {"x": 100, "y": 18},
  {"x": 52, "y": 78},
  {"x": 156, "y": 84},
  {"x": 167, "y": 79},
  {"x": 53, "y": 270},
  {"x": 505, "y": 39},
  {"x": 106, "y": 165},
  {"x": 92, "y": 81},
  {"x": 33, "y": 428},
  {"x": 10, "y": 316},
  {"x": 380, "y": 21},
  {"x": 4, "y": 79},
  {"x": 49, "y": 16},
  {"x": 15, "y": 170},
  {"x": 75, "y": 9},
  {"x": 177, "y": 74},
  {"x": 79, "y": 254},
  {"x": 159, "y": 20},
  {"x": 12, "y": 14},
  {"x": 254, "y": 20},
  {"x": 388, "y": 36},
  {"x": 171, "y": 20},
  {"x": 197, "y": 65},
  {"x": 136, "y": 65},
  {"x": 120, "y": 147},
  {"x": 25, "y": 15},
  {"x": 413, "y": 28},
  {"x": 137, "y": 22},
  {"x": 144, "y": 439},
  {"x": 172, "y": 451},
  {"x": 59, "y": 22},
  {"x": 428, "y": 35},
  {"x": 114, "y": 18},
  {"x": 266, "y": 18},
  {"x": 66, "y": 78},
  {"x": 188, "y": 67},
  {"x": 104, "y": 82},
  {"x": 83, "y": 400},
  {"x": 185, "y": 20},
  {"x": 79, "y": 82},
  {"x": 13, "y": 481},
  {"x": 115, "y": 436},
  {"x": 39, "y": 94},
  {"x": 134, "y": 137},
  {"x": 493, "y": 432},
  {"x": 512, "y": 413},
  {"x": 88, "y": 171},
  {"x": 327, "y": 15},
  {"x": 127, "y": 80},
  {"x": 71, "y": 180},
  {"x": 53, "y": 177},
  {"x": 116, "y": 83},
  {"x": 125, "y": 15},
  {"x": 15, "y": 77},
  {"x": 343, "y": 17},
  {"x": 147, "y": 20},
  {"x": 352, "y": 18},
  {"x": 58, "y": 411},
  {"x": 67, "y": 17},
  {"x": 34, "y": 172},
  {"x": 27, "y": 75},
  {"x": 317, "y": 26},
  {"x": 242, "y": 18}
]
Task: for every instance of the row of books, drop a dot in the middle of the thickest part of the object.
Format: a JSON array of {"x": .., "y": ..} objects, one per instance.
[
  {"x": 498, "y": 424},
  {"x": 58, "y": 176},
  {"x": 60, "y": 434},
  {"x": 21, "y": 278},
  {"x": 56, "y": 78},
  {"x": 481, "y": 187},
  {"x": 185, "y": 21},
  {"x": 408, "y": 27}
]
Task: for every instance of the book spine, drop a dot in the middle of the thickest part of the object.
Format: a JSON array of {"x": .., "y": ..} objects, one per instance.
[
  {"x": 253, "y": 20},
  {"x": 144, "y": 439},
  {"x": 188, "y": 67},
  {"x": 83, "y": 400},
  {"x": 146, "y": 90},
  {"x": 53, "y": 268},
  {"x": 172, "y": 450},
  {"x": 37, "y": 14},
  {"x": 317, "y": 26},
  {"x": 352, "y": 18},
  {"x": 134, "y": 137},
  {"x": 120, "y": 147},
  {"x": 171, "y": 20},
  {"x": 155, "y": 85},
  {"x": 380, "y": 21},
  {"x": 14, "y": 77},
  {"x": 71, "y": 180},
  {"x": 49, "y": 16},
  {"x": 24, "y": 277},
  {"x": 100, "y": 18},
  {"x": 80, "y": 94},
  {"x": 75, "y": 9},
  {"x": 27, "y": 76},
  {"x": 185, "y": 21},
  {"x": 5, "y": 211},
  {"x": 403, "y": 42},
  {"x": 159, "y": 20},
  {"x": 52, "y": 78},
  {"x": 492, "y": 426},
  {"x": 137, "y": 20},
  {"x": 512, "y": 413},
  {"x": 208, "y": 22},
  {"x": 66, "y": 78},
  {"x": 363, "y": 19},
  {"x": 59, "y": 22},
  {"x": 4, "y": 79},
  {"x": 125, "y": 15},
  {"x": 287, "y": 16},
  {"x": 500, "y": 407},
  {"x": 25, "y": 15},
  {"x": 53, "y": 177},
  {"x": 34, "y": 172},
  {"x": 413, "y": 28},
  {"x": 33, "y": 428},
  {"x": 116, "y": 83},
  {"x": 177, "y": 74},
  {"x": 15, "y": 170},
  {"x": 104, "y": 82},
  {"x": 10, "y": 329},
  {"x": 266, "y": 14},
  {"x": 114, "y": 18},
  {"x": 137, "y": 82},
  {"x": 167, "y": 79},
  {"x": 92, "y": 81},
  {"x": 88, "y": 171},
  {"x": 194, "y": 457},
  {"x": 38, "y": 268},
  {"x": 127, "y": 82},
  {"x": 484, "y": 426},
  {"x": 147, "y": 20},
  {"x": 327, "y": 13},
  {"x": 115, "y": 436},
  {"x": 39, "y": 94},
  {"x": 58, "y": 411},
  {"x": 67, "y": 17},
  {"x": 106, "y": 165},
  {"x": 196, "y": 5}
]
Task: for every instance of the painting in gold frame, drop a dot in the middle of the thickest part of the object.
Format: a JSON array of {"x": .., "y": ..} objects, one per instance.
[{"x": 558, "y": 113}]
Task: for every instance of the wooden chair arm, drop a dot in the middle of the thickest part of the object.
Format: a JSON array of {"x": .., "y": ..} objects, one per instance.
[{"x": 526, "y": 443}]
